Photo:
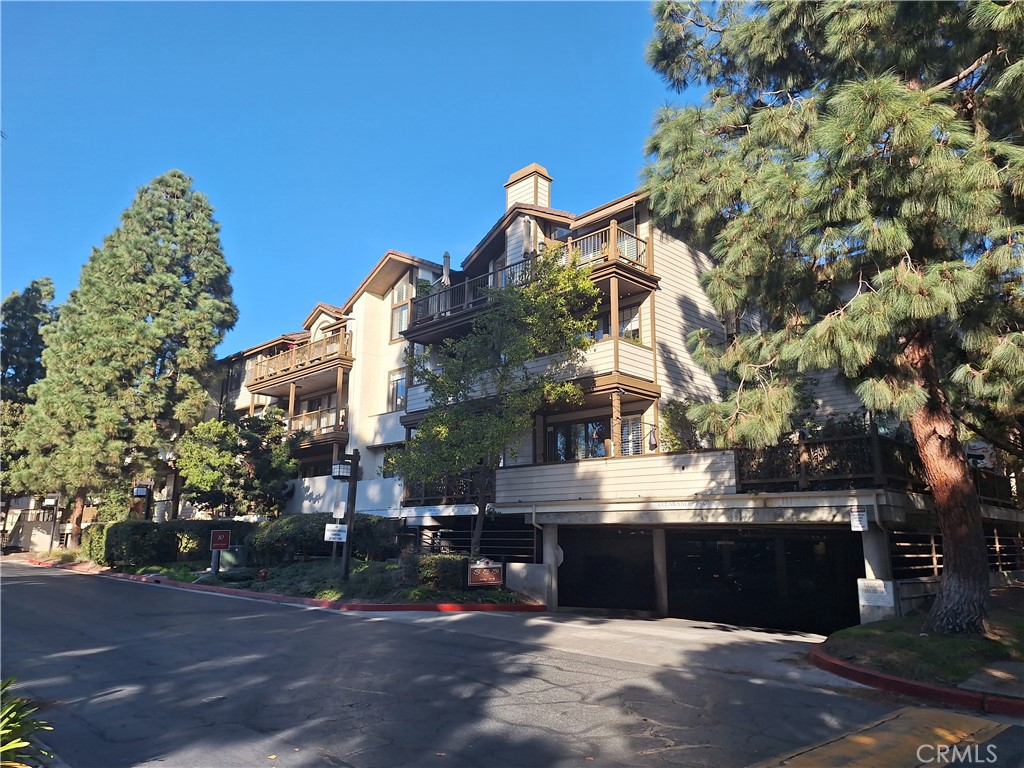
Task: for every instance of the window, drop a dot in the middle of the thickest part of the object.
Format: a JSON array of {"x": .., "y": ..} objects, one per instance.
[
  {"x": 399, "y": 321},
  {"x": 602, "y": 324},
  {"x": 577, "y": 440},
  {"x": 632, "y": 436},
  {"x": 396, "y": 390},
  {"x": 401, "y": 299},
  {"x": 629, "y": 323}
]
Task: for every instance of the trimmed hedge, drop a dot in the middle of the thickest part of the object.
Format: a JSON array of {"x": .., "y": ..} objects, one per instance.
[
  {"x": 443, "y": 572},
  {"x": 290, "y": 536},
  {"x": 137, "y": 543}
]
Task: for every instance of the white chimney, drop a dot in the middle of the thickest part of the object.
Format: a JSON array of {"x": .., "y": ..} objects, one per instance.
[{"x": 530, "y": 185}]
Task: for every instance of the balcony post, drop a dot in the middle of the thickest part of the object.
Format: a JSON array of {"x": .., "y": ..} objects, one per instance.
[
  {"x": 876, "y": 455},
  {"x": 616, "y": 423},
  {"x": 805, "y": 459},
  {"x": 613, "y": 241},
  {"x": 291, "y": 404},
  {"x": 648, "y": 264}
]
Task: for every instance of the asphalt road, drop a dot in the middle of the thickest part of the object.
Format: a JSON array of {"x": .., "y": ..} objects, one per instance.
[{"x": 137, "y": 674}]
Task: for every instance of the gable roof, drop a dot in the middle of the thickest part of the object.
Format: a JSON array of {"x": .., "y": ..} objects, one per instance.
[
  {"x": 330, "y": 310},
  {"x": 384, "y": 275}
]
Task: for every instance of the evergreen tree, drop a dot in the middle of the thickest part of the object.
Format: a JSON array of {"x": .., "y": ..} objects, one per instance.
[
  {"x": 239, "y": 467},
  {"x": 21, "y": 339},
  {"x": 857, "y": 171},
  {"x": 21, "y": 349},
  {"x": 125, "y": 359},
  {"x": 483, "y": 397}
]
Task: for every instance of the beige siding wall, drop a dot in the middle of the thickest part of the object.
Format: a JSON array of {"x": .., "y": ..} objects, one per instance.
[
  {"x": 642, "y": 478},
  {"x": 680, "y": 308}
]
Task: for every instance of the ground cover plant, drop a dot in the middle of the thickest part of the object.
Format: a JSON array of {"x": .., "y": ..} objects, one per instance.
[
  {"x": 18, "y": 730},
  {"x": 901, "y": 646}
]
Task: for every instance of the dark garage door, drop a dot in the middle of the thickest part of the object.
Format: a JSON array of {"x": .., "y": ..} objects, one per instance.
[
  {"x": 804, "y": 581},
  {"x": 606, "y": 568}
]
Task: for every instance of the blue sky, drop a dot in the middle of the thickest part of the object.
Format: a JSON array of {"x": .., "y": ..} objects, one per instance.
[{"x": 322, "y": 133}]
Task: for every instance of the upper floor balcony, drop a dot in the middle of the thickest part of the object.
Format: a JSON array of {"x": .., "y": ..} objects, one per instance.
[
  {"x": 610, "y": 245},
  {"x": 819, "y": 465},
  {"x": 320, "y": 358}
]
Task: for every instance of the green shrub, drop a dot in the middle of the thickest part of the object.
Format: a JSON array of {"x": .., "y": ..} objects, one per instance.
[
  {"x": 94, "y": 543},
  {"x": 17, "y": 729},
  {"x": 192, "y": 537},
  {"x": 282, "y": 539},
  {"x": 285, "y": 538},
  {"x": 137, "y": 543},
  {"x": 443, "y": 572}
]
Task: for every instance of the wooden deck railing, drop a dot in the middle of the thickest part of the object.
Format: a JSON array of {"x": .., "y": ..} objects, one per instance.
[
  {"x": 608, "y": 244},
  {"x": 468, "y": 294},
  {"x": 318, "y": 422},
  {"x": 301, "y": 356}
]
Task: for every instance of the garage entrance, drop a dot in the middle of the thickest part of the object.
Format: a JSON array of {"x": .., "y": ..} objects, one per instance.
[{"x": 777, "y": 579}]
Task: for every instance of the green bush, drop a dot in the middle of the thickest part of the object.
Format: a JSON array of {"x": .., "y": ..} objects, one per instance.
[
  {"x": 443, "y": 572},
  {"x": 282, "y": 539},
  {"x": 192, "y": 537},
  {"x": 17, "y": 729},
  {"x": 285, "y": 538},
  {"x": 137, "y": 543}
]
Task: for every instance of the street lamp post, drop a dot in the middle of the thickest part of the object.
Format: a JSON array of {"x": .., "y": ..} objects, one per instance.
[{"x": 347, "y": 468}]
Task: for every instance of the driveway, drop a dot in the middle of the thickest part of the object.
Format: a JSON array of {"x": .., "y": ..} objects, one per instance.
[{"x": 143, "y": 675}]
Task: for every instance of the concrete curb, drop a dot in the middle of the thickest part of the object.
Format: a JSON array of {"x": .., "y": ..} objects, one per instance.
[
  {"x": 982, "y": 702},
  {"x": 273, "y": 597}
]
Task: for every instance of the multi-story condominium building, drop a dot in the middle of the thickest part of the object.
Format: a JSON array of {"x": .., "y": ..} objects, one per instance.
[{"x": 589, "y": 507}]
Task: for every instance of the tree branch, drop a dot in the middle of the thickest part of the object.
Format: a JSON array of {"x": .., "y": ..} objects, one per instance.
[
  {"x": 966, "y": 73},
  {"x": 1004, "y": 445}
]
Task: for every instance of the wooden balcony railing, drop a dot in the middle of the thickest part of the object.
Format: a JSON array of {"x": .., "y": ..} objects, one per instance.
[
  {"x": 301, "y": 356},
  {"x": 830, "y": 464},
  {"x": 608, "y": 244},
  {"x": 468, "y": 294},
  {"x": 319, "y": 422},
  {"x": 459, "y": 490}
]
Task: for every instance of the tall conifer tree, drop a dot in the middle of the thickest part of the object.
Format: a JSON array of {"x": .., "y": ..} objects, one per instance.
[
  {"x": 125, "y": 359},
  {"x": 857, "y": 170}
]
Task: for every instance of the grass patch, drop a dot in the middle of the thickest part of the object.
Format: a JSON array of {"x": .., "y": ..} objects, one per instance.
[
  {"x": 186, "y": 572},
  {"x": 369, "y": 582},
  {"x": 898, "y": 646}
]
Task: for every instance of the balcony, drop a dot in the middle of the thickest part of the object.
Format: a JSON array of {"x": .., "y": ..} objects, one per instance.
[
  {"x": 319, "y": 424},
  {"x": 808, "y": 466},
  {"x": 467, "y": 295},
  {"x": 300, "y": 361},
  {"x": 608, "y": 245}
]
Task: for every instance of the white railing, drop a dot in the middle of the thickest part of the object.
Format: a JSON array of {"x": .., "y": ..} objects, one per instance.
[{"x": 318, "y": 422}]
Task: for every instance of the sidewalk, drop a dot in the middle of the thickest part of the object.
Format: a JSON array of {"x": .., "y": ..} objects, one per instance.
[{"x": 914, "y": 737}]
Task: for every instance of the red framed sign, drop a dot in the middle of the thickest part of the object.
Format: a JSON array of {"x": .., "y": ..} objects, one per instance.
[{"x": 220, "y": 539}]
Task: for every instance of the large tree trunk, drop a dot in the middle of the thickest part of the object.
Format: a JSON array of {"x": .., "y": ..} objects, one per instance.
[
  {"x": 962, "y": 601},
  {"x": 77, "y": 513}
]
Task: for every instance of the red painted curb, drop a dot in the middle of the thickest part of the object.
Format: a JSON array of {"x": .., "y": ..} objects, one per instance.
[
  {"x": 1002, "y": 705},
  {"x": 335, "y": 605}
]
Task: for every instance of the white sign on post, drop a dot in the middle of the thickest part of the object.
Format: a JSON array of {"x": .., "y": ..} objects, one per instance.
[
  {"x": 858, "y": 519},
  {"x": 335, "y": 532},
  {"x": 339, "y": 512},
  {"x": 876, "y": 592}
]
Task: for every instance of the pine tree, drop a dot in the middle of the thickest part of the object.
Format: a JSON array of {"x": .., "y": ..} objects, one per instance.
[
  {"x": 482, "y": 394},
  {"x": 125, "y": 360},
  {"x": 21, "y": 339},
  {"x": 21, "y": 349},
  {"x": 857, "y": 171}
]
